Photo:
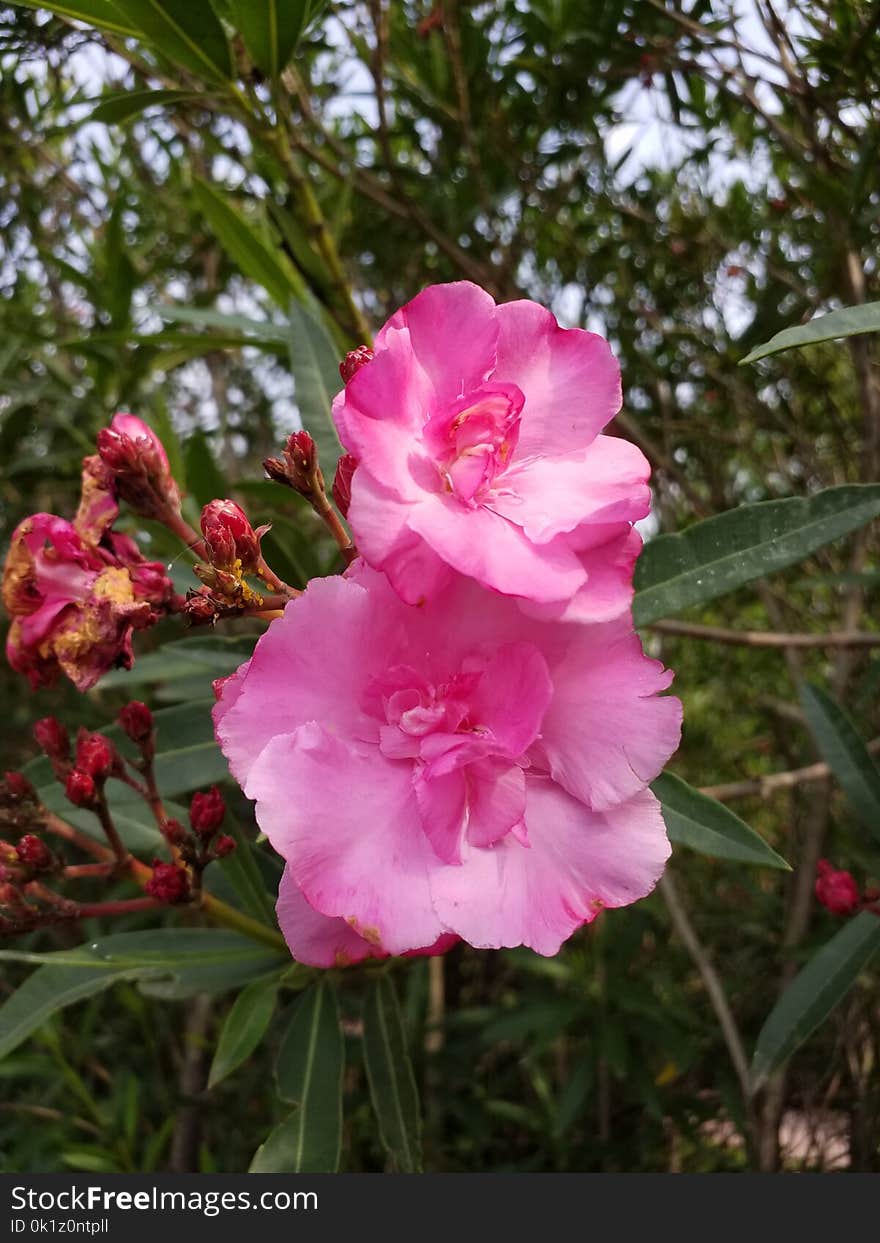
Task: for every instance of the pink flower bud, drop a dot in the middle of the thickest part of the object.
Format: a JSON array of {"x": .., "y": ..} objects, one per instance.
[
  {"x": 138, "y": 464},
  {"x": 298, "y": 468},
  {"x": 18, "y": 787},
  {"x": 354, "y": 360},
  {"x": 52, "y": 738},
  {"x": 80, "y": 789},
  {"x": 345, "y": 468},
  {"x": 206, "y": 812},
  {"x": 224, "y": 845},
  {"x": 95, "y": 756},
  {"x": 836, "y": 890},
  {"x": 169, "y": 883},
  {"x": 33, "y": 853},
  {"x": 136, "y": 720},
  {"x": 230, "y": 537}
]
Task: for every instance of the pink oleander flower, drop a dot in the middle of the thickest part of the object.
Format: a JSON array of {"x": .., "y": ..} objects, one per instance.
[
  {"x": 476, "y": 432},
  {"x": 457, "y": 770},
  {"x": 74, "y": 604}
]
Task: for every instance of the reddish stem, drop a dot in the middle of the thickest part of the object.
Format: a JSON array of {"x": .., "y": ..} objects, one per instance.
[{"x": 62, "y": 829}]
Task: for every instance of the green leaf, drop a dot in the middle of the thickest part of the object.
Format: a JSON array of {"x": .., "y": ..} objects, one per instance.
[
  {"x": 848, "y": 322},
  {"x": 168, "y": 963},
  {"x": 185, "y": 31},
  {"x": 309, "y": 1072},
  {"x": 270, "y": 30},
  {"x": 733, "y": 548},
  {"x": 246, "y": 248},
  {"x": 244, "y": 1028},
  {"x": 845, "y": 754},
  {"x": 392, "y": 1082},
  {"x": 122, "y": 106},
  {"x": 314, "y": 362},
  {"x": 814, "y": 993},
  {"x": 245, "y": 876},
  {"x": 101, "y": 13},
  {"x": 263, "y": 330},
  {"x": 695, "y": 820}
]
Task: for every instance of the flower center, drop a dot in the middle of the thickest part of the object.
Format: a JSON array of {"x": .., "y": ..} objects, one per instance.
[
  {"x": 423, "y": 720},
  {"x": 473, "y": 439}
]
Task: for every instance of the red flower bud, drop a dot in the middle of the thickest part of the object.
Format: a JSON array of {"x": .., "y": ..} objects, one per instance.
[
  {"x": 298, "y": 468},
  {"x": 224, "y": 845},
  {"x": 230, "y": 537},
  {"x": 95, "y": 756},
  {"x": 354, "y": 360},
  {"x": 174, "y": 832},
  {"x": 80, "y": 789},
  {"x": 136, "y": 720},
  {"x": 837, "y": 891},
  {"x": 17, "y": 787},
  {"x": 206, "y": 812},
  {"x": 169, "y": 883},
  {"x": 345, "y": 468},
  {"x": 52, "y": 738},
  {"x": 301, "y": 448},
  {"x": 33, "y": 853}
]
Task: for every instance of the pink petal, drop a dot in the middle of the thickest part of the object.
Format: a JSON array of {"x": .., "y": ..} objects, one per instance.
[
  {"x": 608, "y": 482},
  {"x": 491, "y": 550},
  {"x": 608, "y": 591},
  {"x": 315, "y": 939},
  {"x": 347, "y": 821},
  {"x": 384, "y": 540},
  {"x": 607, "y": 732},
  {"x": 453, "y": 332},
  {"x": 442, "y": 805},
  {"x": 323, "y": 671},
  {"x": 570, "y": 379},
  {"x": 497, "y": 800},
  {"x": 578, "y": 862},
  {"x": 512, "y": 696}
]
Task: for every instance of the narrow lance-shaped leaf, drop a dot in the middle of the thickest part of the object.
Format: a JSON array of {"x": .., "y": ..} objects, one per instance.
[
  {"x": 695, "y": 820},
  {"x": 392, "y": 1082},
  {"x": 847, "y": 322},
  {"x": 314, "y": 362},
  {"x": 246, "y": 248},
  {"x": 244, "y": 1028},
  {"x": 814, "y": 993},
  {"x": 270, "y": 30},
  {"x": 168, "y": 962},
  {"x": 122, "y": 106},
  {"x": 187, "y": 32},
  {"x": 845, "y": 754},
  {"x": 722, "y": 553},
  {"x": 309, "y": 1072},
  {"x": 101, "y": 13}
]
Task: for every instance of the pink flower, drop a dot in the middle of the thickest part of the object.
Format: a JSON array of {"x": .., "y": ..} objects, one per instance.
[
  {"x": 454, "y": 770},
  {"x": 476, "y": 431},
  {"x": 74, "y": 605}
]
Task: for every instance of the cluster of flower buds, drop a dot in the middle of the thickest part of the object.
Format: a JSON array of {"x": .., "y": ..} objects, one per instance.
[
  {"x": 232, "y": 548},
  {"x": 137, "y": 463},
  {"x": 24, "y": 856},
  {"x": 193, "y": 848},
  {"x": 839, "y": 893}
]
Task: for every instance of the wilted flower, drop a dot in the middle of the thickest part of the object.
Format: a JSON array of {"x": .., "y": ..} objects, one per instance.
[
  {"x": 476, "y": 430},
  {"x": 74, "y": 605},
  {"x": 454, "y": 770}
]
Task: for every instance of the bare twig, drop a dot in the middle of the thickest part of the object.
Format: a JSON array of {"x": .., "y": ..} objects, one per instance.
[{"x": 767, "y": 638}]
